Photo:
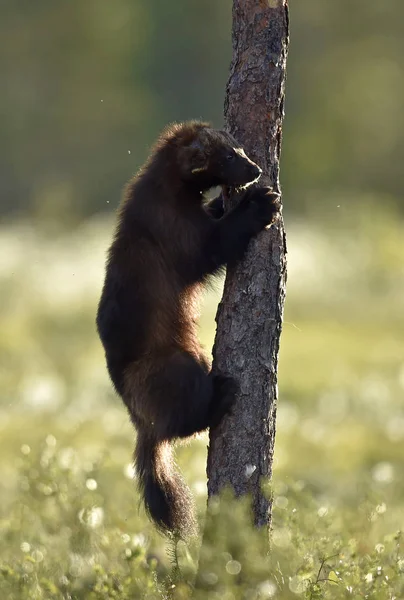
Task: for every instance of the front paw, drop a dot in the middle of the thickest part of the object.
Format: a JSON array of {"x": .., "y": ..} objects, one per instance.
[{"x": 264, "y": 204}]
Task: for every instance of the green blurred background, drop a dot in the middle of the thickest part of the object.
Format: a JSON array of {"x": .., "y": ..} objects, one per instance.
[{"x": 86, "y": 87}]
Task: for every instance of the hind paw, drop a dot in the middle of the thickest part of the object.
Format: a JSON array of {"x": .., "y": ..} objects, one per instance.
[
  {"x": 225, "y": 391},
  {"x": 224, "y": 386}
]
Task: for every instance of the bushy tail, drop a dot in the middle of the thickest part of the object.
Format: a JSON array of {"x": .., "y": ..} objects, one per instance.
[{"x": 167, "y": 499}]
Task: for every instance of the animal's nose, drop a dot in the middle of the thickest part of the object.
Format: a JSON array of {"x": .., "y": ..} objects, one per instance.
[{"x": 257, "y": 171}]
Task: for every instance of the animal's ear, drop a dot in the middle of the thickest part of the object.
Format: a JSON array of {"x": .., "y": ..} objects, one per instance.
[
  {"x": 193, "y": 158},
  {"x": 196, "y": 145}
]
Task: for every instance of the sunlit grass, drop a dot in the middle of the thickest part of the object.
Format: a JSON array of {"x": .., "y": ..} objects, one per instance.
[{"x": 69, "y": 520}]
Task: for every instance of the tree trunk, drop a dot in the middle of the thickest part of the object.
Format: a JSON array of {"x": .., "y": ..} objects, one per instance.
[{"x": 249, "y": 317}]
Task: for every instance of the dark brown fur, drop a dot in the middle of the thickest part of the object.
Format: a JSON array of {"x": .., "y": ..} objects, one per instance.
[{"x": 166, "y": 243}]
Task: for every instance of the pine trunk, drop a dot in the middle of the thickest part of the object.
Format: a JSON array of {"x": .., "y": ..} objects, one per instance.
[{"x": 249, "y": 318}]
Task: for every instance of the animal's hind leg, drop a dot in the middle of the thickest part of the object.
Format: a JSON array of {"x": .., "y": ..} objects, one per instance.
[
  {"x": 180, "y": 393},
  {"x": 175, "y": 395},
  {"x": 201, "y": 398}
]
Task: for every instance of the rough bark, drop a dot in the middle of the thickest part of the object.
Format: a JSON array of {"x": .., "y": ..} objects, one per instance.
[{"x": 249, "y": 317}]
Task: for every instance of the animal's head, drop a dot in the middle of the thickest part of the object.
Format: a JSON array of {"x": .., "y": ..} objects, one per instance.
[{"x": 208, "y": 157}]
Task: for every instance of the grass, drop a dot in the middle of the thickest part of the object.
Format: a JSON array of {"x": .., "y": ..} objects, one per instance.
[{"x": 70, "y": 527}]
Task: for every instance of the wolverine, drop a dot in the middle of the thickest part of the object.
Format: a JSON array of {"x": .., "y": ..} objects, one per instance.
[{"x": 168, "y": 241}]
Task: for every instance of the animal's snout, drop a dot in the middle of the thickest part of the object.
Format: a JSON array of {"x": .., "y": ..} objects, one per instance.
[{"x": 256, "y": 171}]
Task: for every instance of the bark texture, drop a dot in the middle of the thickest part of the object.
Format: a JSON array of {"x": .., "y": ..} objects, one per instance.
[{"x": 249, "y": 317}]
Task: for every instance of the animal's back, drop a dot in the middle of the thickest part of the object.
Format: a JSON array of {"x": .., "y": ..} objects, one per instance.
[
  {"x": 145, "y": 308},
  {"x": 123, "y": 314}
]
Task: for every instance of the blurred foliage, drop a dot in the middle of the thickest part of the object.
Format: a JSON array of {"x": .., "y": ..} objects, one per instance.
[
  {"x": 70, "y": 525},
  {"x": 86, "y": 86}
]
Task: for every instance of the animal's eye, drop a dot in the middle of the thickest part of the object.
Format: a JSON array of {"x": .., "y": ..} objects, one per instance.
[{"x": 231, "y": 156}]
